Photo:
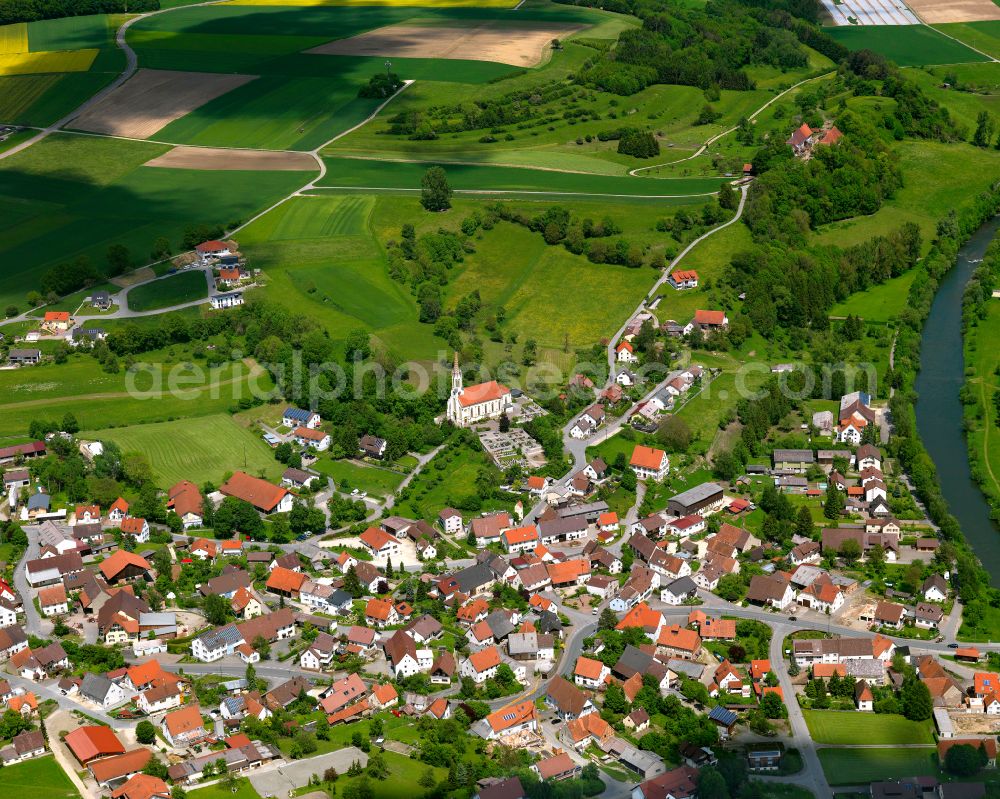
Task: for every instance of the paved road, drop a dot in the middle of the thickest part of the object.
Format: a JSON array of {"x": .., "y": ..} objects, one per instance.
[{"x": 33, "y": 621}]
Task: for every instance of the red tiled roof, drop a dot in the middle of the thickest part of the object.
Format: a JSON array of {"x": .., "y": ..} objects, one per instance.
[
  {"x": 482, "y": 392},
  {"x": 261, "y": 494},
  {"x": 89, "y": 742},
  {"x": 647, "y": 457},
  {"x": 709, "y": 317},
  {"x": 120, "y": 560}
]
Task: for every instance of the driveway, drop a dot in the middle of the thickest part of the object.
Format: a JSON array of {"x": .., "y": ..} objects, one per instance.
[{"x": 281, "y": 780}]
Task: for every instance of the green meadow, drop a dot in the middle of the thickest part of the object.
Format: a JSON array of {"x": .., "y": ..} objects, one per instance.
[
  {"x": 41, "y": 775},
  {"x": 907, "y": 45},
  {"x": 200, "y": 449},
  {"x": 70, "y": 196},
  {"x": 857, "y": 766},
  {"x": 983, "y": 36},
  {"x": 99, "y": 400},
  {"x": 364, "y": 174},
  {"x": 165, "y": 292},
  {"x": 847, "y": 727},
  {"x": 880, "y": 303}
]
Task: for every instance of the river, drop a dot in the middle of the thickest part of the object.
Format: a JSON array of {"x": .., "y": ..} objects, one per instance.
[{"x": 939, "y": 410}]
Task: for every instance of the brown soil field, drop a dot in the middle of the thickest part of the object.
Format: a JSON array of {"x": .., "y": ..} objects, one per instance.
[
  {"x": 520, "y": 45},
  {"x": 934, "y": 11},
  {"x": 152, "y": 99},
  {"x": 210, "y": 158},
  {"x": 131, "y": 278}
]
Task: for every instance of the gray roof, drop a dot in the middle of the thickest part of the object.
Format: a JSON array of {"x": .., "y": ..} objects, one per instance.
[
  {"x": 682, "y": 585},
  {"x": 221, "y": 636},
  {"x": 500, "y": 624},
  {"x": 39, "y": 501},
  {"x": 157, "y": 619},
  {"x": 473, "y": 577},
  {"x": 697, "y": 494},
  {"x": 522, "y": 644},
  {"x": 95, "y": 686},
  {"x": 688, "y": 668},
  {"x": 867, "y": 668},
  {"x": 794, "y": 455}
]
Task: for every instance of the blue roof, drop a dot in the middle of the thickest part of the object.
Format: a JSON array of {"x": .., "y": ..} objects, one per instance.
[
  {"x": 38, "y": 501},
  {"x": 298, "y": 414},
  {"x": 723, "y": 716}
]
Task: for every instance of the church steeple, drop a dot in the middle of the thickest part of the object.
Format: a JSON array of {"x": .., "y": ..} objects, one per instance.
[{"x": 456, "y": 377}]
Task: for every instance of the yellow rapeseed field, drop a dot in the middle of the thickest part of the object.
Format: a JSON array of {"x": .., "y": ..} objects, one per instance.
[{"x": 38, "y": 63}]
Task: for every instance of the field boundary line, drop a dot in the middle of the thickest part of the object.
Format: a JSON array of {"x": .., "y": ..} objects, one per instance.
[
  {"x": 532, "y": 192},
  {"x": 994, "y": 59}
]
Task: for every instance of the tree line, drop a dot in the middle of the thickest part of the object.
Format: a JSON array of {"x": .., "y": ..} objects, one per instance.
[{"x": 33, "y": 10}]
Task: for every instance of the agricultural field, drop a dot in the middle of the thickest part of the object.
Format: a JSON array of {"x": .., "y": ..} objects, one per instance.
[
  {"x": 983, "y": 36},
  {"x": 165, "y": 292},
  {"x": 81, "y": 387},
  {"x": 200, "y": 449},
  {"x": 847, "y": 727},
  {"x": 482, "y": 179},
  {"x": 857, "y": 766},
  {"x": 29, "y": 63},
  {"x": 41, "y": 775},
  {"x": 907, "y": 45},
  {"x": 72, "y": 196}
]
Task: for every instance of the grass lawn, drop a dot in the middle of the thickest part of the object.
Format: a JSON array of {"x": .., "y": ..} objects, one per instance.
[
  {"x": 853, "y": 766},
  {"x": 174, "y": 290},
  {"x": 836, "y": 727},
  {"x": 219, "y": 791},
  {"x": 199, "y": 449},
  {"x": 879, "y": 303},
  {"x": 348, "y": 476},
  {"x": 907, "y": 45},
  {"x": 451, "y": 475},
  {"x": 986, "y": 630},
  {"x": 41, "y": 775}
]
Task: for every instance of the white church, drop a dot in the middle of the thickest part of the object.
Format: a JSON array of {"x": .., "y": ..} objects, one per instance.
[{"x": 476, "y": 403}]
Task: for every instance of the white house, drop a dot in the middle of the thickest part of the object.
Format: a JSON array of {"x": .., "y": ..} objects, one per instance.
[
  {"x": 451, "y": 520},
  {"x": 296, "y": 417},
  {"x": 137, "y": 528},
  {"x": 590, "y": 673},
  {"x": 625, "y": 353},
  {"x": 649, "y": 463},
  {"x": 309, "y": 437},
  {"x": 231, "y": 300}
]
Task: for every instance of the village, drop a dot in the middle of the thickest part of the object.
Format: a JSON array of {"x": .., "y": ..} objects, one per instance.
[{"x": 625, "y": 653}]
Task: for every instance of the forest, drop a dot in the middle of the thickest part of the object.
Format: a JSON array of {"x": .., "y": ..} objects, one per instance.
[{"x": 32, "y": 10}]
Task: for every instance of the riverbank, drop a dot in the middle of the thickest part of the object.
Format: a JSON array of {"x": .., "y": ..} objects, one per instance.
[
  {"x": 920, "y": 437},
  {"x": 980, "y": 394}
]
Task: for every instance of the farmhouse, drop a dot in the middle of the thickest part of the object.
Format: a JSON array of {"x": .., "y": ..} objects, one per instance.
[
  {"x": 185, "y": 500},
  {"x": 380, "y": 544},
  {"x": 649, "y": 463},
  {"x": 476, "y": 403},
  {"x": 264, "y": 496},
  {"x": 23, "y": 357},
  {"x": 708, "y": 321}
]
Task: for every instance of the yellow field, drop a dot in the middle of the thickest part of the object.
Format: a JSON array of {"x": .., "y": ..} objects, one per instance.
[
  {"x": 14, "y": 38},
  {"x": 17, "y": 94},
  {"x": 38, "y": 63},
  {"x": 403, "y": 3}
]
